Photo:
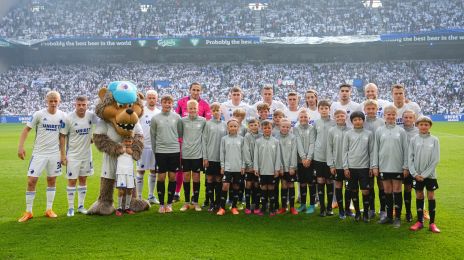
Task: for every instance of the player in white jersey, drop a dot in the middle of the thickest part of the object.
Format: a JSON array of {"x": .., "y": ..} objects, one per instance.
[
  {"x": 46, "y": 154},
  {"x": 147, "y": 160},
  {"x": 292, "y": 112},
  {"x": 345, "y": 103},
  {"x": 402, "y": 104},
  {"x": 235, "y": 101},
  {"x": 267, "y": 94},
  {"x": 77, "y": 137},
  {"x": 371, "y": 91},
  {"x": 311, "y": 105}
]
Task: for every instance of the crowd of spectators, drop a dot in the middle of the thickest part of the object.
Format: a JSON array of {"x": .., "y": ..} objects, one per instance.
[
  {"x": 32, "y": 19},
  {"x": 437, "y": 86}
]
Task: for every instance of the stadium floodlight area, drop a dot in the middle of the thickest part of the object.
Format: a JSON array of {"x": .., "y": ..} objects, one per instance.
[
  {"x": 257, "y": 6},
  {"x": 372, "y": 3}
]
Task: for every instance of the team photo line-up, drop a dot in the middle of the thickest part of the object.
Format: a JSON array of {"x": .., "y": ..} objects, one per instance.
[{"x": 251, "y": 154}]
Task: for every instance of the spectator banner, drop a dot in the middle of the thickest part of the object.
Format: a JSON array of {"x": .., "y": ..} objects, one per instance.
[
  {"x": 96, "y": 43},
  {"x": 321, "y": 40},
  {"x": 15, "y": 119},
  {"x": 194, "y": 42},
  {"x": 448, "y": 118},
  {"x": 430, "y": 36}
]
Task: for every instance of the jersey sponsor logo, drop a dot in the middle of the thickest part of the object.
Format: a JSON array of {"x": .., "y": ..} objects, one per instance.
[
  {"x": 50, "y": 127},
  {"x": 62, "y": 124},
  {"x": 83, "y": 131}
]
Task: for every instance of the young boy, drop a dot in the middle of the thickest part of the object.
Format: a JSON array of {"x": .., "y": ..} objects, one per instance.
[
  {"x": 324, "y": 177},
  {"x": 305, "y": 138},
  {"x": 252, "y": 190},
  {"x": 288, "y": 152},
  {"x": 213, "y": 132},
  {"x": 409, "y": 118},
  {"x": 373, "y": 123},
  {"x": 165, "y": 129},
  {"x": 232, "y": 164},
  {"x": 335, "y": 161},
  {"x": 423, "y": 158},
  {"x": 192, "y": 153},
  {"x": 276, "y": 118},
  {"x": 263, "y": 112},
  {"x": 125, "y": 178},
  {"x": 391, "y": 163},
  {"x": 46, "y": 154},
  {"x": 240, "y": 114},
  {"x": 358, "y": 147},
  {"x": 266, "y": 164}
]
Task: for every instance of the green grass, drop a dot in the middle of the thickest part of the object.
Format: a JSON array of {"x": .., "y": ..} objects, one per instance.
[{"x": 204, "y": 235}]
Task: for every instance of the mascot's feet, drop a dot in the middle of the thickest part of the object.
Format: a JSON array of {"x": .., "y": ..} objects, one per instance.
[
  {"x": 138, "y": 205},
  {"x": 104, "y": 204}
]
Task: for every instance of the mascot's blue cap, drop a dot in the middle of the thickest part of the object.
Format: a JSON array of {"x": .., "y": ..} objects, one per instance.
[{"x": 124, "y": 92}]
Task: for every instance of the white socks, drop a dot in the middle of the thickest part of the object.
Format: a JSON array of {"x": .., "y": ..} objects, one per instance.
[
  {"x": 139, "y": 185},
  {"x": 151, "y": 184},
  {"x": 128, "y": 200},
  {"x": 30, "y": 195},
  {"x": 71, "y": 191},
  {"x": 81, "y": 192},
  {"x": 50, "y": 197}
]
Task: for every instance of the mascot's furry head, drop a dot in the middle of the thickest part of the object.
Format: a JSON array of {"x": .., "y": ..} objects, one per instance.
[{"x": 121, "y": 105}]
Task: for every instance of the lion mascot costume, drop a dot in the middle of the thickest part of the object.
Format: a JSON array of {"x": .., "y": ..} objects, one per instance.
[{"x": 119, "y": 107}]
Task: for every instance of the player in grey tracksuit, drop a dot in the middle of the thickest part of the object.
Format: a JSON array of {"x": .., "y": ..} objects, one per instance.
[
  {"x": 409, "y": 118},
  {"x": 232, "y": 164},
  {"x": 266, "y": 164},
  {"x": 288, "y": 151},
  {"x": 305, "y": 139},
  {"x": 423, "y": 158},
  {"x": 213, "y": 132},
  {"x": 358, "y": 147},
  {"x": 390, "y": 163},
  {"x": 372, "y": 123},
  {"x": 324, "y": 177},
  {"x": 165, "y": 129},
  {"x": 335, "y": 161},
  {"x": 192, "y": 154},
  {"x": 252, "y": 189}
]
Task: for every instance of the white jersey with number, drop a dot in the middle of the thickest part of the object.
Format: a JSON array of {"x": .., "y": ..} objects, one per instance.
[
  {"x": 47, "y": 127},
  {"x": 274, "y": 106},
  {"x": 350, "y": 107},
  {"x": 227, "y": 109},
  {"x": 79, "y": 133},
  {"x": 145, "y": 121},
  {"x": 381, "y": 104},
  {"x": 407, "y": 106}
]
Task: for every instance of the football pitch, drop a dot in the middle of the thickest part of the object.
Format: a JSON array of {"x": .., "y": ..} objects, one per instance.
[{"x": 186, "y": 235}]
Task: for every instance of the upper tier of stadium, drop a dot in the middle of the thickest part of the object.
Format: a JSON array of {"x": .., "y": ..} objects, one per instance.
[{"x": 43, "y": 19}]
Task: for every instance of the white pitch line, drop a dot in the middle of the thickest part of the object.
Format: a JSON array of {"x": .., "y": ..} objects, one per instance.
[{"x": 443, "y": 134}]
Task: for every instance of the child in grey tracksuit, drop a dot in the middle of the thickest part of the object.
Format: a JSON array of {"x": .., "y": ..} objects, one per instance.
[
  {"x": 423, "y": 158},
  {"x": 358, "y": 146}
]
